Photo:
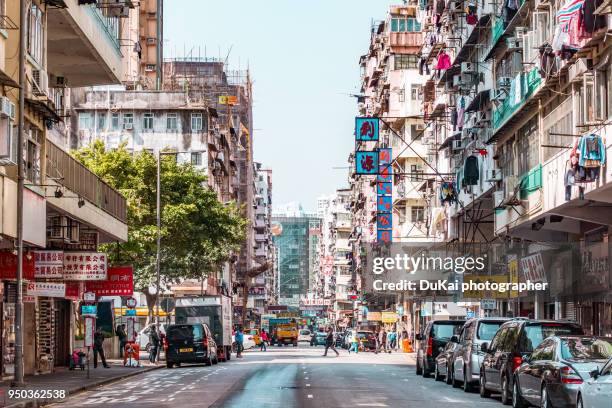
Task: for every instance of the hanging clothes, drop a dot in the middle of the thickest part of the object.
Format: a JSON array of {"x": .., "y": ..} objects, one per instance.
[
  {"x": 471, "y": 174},
  {"x": 138, "y": 49},
  {"x": 453, "y": 118},
  {"x": 592, "y": 151},
  {"x": 448, "y": 193},
  {"x": 574, "y": 175},
  {"x": 461, "y": 113},
  {"x": 471, "y": 18},
  {"x": 444, "y": 61}
]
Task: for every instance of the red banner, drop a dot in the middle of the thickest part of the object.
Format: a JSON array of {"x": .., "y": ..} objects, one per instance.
[
  {"x": 119, "y": 282},
  {"x": 73, "y": 290},
  {"x": 8, "y": 266}
]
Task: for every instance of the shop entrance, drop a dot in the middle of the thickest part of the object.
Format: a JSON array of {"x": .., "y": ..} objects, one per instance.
[{"x": 62, "y": 333}]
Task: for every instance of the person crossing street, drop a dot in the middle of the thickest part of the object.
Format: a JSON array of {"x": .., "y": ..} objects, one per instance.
[
  {"x": 264, "y": 340},
  {"x": 329, "y": 342}
]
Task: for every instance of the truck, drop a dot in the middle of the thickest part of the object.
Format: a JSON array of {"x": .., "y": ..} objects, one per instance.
[
  {"x": 213, "y": 310},
  {"x": 284, "y": 331}
]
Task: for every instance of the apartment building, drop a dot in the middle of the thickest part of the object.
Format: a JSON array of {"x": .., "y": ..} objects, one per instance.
[
  {"x": 514, "y": 94},
  {"x": 67, "y": 209}
]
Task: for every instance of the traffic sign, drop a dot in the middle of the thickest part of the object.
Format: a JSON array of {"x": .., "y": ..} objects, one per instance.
[{"x": 131, "y": 302}]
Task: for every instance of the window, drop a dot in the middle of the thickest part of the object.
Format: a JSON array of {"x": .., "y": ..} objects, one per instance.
[
  {"x": 405, "y": 25},
  {"x": 401, "y": 95},
  {"x": 32, "y": 156},
  {"x": 172, "y": 121},
  {"x": 417, "y": 214},
  {"x": 128, "y": 120},
  {"x": 115, "y": 121},
  {"x": 416, "y": 173},
  {"x": 406, "y": 61},
  {"x": 85, "y": 121},
  {"x": 545, "y": 351},
  {"x": 498, "y": 340},
  {"x": 196, "y": 158},
  {"x": 147, "y": 121},
  {"x": 35, "y": 33},
  {"x": 101, "y": 121},
  {"x": 486, "y": 330},
  {"x": 511, "y": 339},
  {"x": 196, "y": 122},
  {"x": 415, "y": 92}
]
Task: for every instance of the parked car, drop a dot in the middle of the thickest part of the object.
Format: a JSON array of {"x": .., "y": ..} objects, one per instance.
[
  {"x": 320, "y": 338},
  {"x": 143, "y": 339},
  {"x": 551, "y": 375},
  {"x": 596, "y": 391},
  {"x": 433, "y": 339},
  {"x": 513, "y": 341},
  {"x": 468, "y": 357},
  {"x": 304, "y": 335},
  {"x": 444, "y": 362},
  {"x": 189, "y": 343},
  {"x": 340, "y": 338}
]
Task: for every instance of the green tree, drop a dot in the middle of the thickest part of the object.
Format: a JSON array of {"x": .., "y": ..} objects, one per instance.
[{"x": 198, "y": 232}]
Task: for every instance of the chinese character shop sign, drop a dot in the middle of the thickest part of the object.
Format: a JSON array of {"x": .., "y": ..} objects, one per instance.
[
  {"x": 120, "y": 282},
  {"x": 49, "y": 264},
  {"x": 366, "y": 162},
  {"x": 85, "y": 266},
  {"x": 8, "y": 265},
  {"x": 47, "y": 289},
  {"x": 366, "y": 129},
  {"x": 384, "y": 197}
]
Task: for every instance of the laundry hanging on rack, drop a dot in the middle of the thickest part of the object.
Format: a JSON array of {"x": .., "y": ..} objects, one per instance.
[
  {"x": 444, "y": 61},
  {"x": 453, "y": 118},
  {"x": 592, "y": 151},
  {"x": 471, "y": 17},
  {"x": 448, "y": 193},
  {"x": 575, "y": 174},
  {"x": 460, "y": 113}
]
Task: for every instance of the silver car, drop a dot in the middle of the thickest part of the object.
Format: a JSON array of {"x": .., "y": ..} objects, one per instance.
[
  {"x": 468, "y": 357},
  {"x": 596, "y": 391}
]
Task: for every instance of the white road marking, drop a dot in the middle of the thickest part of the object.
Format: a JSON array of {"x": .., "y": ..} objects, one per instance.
[
  {"x": 308, "y": 385},
  {"x": 309, "y": 395}
]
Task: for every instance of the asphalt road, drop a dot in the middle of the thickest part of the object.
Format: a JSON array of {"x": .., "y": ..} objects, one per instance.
[{"x": 284, "y": 377}]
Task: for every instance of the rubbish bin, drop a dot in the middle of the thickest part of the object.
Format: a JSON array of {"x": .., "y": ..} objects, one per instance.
[{"x": 407, "y": 346}]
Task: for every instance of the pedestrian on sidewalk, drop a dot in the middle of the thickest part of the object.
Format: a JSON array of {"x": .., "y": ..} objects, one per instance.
[
  {"x": 382, "y": 340},
  {"x": 239, "y": 341},
  {"x": 264, "y": 339},
  {"x": 154, "y": 340},
  {"x": 392, "y": 340},
  {"x": 354, "y": 342},
  {"x": 329, "y": 342},
  {"x": 98, "y": 348},
  {"x": 122, "y": 335}
]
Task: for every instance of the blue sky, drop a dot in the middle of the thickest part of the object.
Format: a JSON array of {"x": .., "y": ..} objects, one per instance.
[{"x": 303, "y": 57}]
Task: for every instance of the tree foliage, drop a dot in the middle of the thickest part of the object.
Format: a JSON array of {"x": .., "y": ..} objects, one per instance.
[{"x": 198, "y": 232}]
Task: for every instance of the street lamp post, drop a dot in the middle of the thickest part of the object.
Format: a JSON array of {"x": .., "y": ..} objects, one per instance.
[{"x": 18, "y": 379}]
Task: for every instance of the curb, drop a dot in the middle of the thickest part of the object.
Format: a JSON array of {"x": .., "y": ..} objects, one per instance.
[{"x": 36, "y": 403}]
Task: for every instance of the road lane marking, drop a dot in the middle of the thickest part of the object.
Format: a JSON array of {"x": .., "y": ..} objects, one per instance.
[
  {"x": 309, "y": 395},
  {"x": 308, "y": 385}
]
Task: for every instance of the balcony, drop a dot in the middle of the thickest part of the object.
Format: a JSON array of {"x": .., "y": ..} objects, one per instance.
[
  {"x": 83, "y": 45},
  {"x": 529, "y": 84},
  {"x": 261, "y": 210},
  {"x": 105, "y": 208}
]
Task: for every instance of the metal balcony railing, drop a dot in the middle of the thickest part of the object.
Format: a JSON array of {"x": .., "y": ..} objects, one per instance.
[{"x": 73, "y": 175}]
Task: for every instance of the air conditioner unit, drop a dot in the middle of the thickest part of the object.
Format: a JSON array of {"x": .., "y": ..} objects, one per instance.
[
  {"x": 420, "y": 127},
  {"x": 8, "y": 143},
  {"x": 40, "y": 79},
  {"x": 498, "y": 198},
  {"x": 468, "y": 68},
  {"x": 514, "y": 44},
  {"x": 462, "y": 80},
  {"x": 58, "y": 228},
  {"x": 151, "y": 40},
  {"x": 458, "y": 144},
  {"x": 128, "y": 126},
  {"x": 493, "y": 175},
  {"x": 504, "y": 82},
  {"x": 482, "y": 117},
  {"x": 7, "y": 108},
  {"x": 499, "y": 95}
]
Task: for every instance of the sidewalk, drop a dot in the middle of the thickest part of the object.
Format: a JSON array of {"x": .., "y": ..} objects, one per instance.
[{"x": 71, "y": 381}]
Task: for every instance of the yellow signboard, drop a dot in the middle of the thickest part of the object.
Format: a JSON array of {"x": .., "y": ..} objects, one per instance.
[
  {"x": 228, "y": 100},
  {"x": 389, "y": 317},
  {"x": 374, "y": 316}
]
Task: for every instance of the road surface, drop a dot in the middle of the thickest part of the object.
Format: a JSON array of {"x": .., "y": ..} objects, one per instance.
[{"x": 284, "y": 377}]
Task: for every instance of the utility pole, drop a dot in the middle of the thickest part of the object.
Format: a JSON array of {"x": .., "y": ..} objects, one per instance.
[
  {"x": 158, "y": 257},
  {"x": 18, "y": 379}
]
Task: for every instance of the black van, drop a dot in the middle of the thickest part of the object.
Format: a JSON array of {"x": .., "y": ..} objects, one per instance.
[
  {"x": 189, "y": 343},
  {"x": 432, "y": 341},
  {"x": 513, "y": 341}
]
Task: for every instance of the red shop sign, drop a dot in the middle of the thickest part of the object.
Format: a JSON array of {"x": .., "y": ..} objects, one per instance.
[
  {"x": 8, "y": 266},
  {"x": 119, "y": 282}
]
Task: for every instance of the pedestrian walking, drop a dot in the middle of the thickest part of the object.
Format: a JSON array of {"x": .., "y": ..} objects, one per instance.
[
  {"x": 98, "y": 348},
  {"x": 122, "y": 335},
  {"x": 392, "y": 338},
  {"x": 264, "y": 339},
  {"x": 354, "y": 342},
  {"x": 329, "y": 342},
  {"x": 154, "y": 341},
  {"x": 239, "y": 341},
  {"x": 382, "y": 340}
]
